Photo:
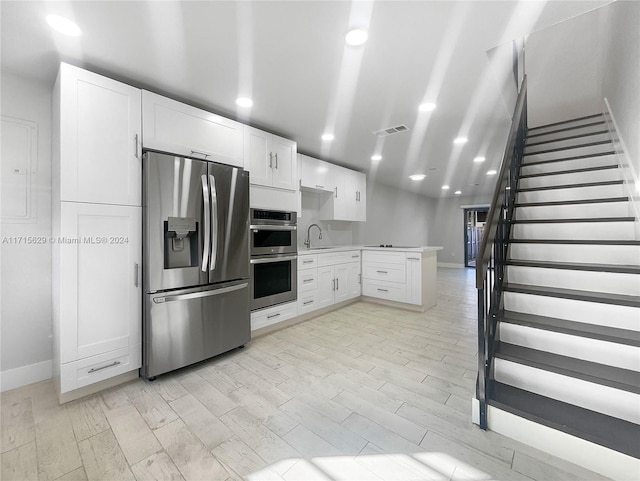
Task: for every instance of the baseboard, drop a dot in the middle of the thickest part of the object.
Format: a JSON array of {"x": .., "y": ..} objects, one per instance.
[
  {"x": 98, "y": 386},
  {"x": 449, "y": 265},
  {"x": 584, "y": 453},
  {"x": 21, "y": 376}
]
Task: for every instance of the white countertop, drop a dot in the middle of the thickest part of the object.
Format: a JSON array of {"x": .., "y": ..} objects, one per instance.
[{"x": 321, "y": 249}]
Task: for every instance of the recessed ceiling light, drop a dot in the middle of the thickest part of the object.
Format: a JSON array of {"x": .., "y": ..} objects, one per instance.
[
  {"x": 458, "y": 192},
  {"x": 356, "y": 36},
  {"x": 63, "y": 25},
  {"x": 479, "y": 159},
  {"x": 460, "y": 140},
  {"x": 244, "y": 102},
  {"x": 327, "y": 137},
  {"x": 445, "y": 187},
  {"x": 376, "y": 158},
  {"x": 417, "y": 176},
  {"x": 492, "y": 172},
  {"x": 427, "y": 107}
]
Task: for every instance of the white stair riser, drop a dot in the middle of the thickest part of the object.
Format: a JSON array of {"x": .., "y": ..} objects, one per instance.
[
  {"x": 572, "y": 152},
  {"x": 601, "y": 254},
  {"x": 572, "y": 193},
  {"x": 622, "y": 317},
  {"x": 536, "y": 137},
  {"x": 592, "y": 350},
  {"x": 576, "y": 230},
  {"x": 570, "y": 179},
  {"x": 583, "y": 163},
  {"x": 611, "y": 282},
  {"x": 564, "y": 142},
  {"x": 575, "y": 211},
  {"x": 573, "y": 125},
  {"x": 604, "y": 399}
]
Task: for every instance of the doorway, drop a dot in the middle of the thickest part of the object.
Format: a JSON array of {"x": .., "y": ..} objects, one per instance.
[{"x": 474, "y": 221}]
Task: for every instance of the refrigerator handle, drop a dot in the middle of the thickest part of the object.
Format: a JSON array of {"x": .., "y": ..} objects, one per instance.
[
  {"x": 214, "y": 221},
  {"x": 207, "y": 225}
]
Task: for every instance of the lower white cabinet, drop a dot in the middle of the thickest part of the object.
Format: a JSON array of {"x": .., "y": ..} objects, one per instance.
[
  {"x": 393, "y": 276},
  {"x": 272, "y": 315},
  {"x": 97, "y": 296}
]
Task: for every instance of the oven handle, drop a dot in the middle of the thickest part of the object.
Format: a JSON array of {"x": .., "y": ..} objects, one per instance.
[
  {"x": 272, "y": 227},
  {"x": 267, "y": 260}
]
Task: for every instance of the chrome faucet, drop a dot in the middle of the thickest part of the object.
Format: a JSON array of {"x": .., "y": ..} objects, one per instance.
[{"x": 307, "y": 242}]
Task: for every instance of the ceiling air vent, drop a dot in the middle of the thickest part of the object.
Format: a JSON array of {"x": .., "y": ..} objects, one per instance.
[{"x": 390, "y": 130}]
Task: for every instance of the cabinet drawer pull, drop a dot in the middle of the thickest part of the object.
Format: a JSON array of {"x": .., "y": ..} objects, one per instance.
[
  {"x": 307, "y": 303},
  {"x": 270, "y": 160},
  {"x": 136, "y": 146},
  {"x": 273, "y": 315},
  {"x": 383, "y": 290},
  {"x": 276, "y": 160},
  {"x": 357, "y": 256},
  {"x": 195, "y": 152},
  {"x": 95, "y": 369},
  {"x": 308, "y": 262},
  {"x": 320, "y": 186},
  {"x": 382, "y": 272},
  {"x": 136, "y": 275},
  {"x": 413, "y": 258},
  {"x": 307, "y": 280}
]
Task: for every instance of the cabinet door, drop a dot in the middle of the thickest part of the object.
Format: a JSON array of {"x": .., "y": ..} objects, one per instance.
[
  {"x": 256, "y": 156},
  {"x": 326, "y": 287},
  {"x": 315, "y": 174},
  {"x": 341, "y": 195},
  {"x": 284, "y": 161},
  {"x": 100, "y": 150},
  {"x": 354, "y": 280},
  {"x": 414, "y": 278},
  {"x": 172, "y": 126},
  {"x": 343, "y": 287},
  {"x": 100, "y": 293},
  {"x": 359, "y": 182}
]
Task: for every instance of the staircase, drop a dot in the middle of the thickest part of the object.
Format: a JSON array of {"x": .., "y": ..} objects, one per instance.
[{"x": 566, "y": 348}]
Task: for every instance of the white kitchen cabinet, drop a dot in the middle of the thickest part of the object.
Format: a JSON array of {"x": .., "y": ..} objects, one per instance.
[
  {"x": 349, "y": 199},
  {"x": 271, "y": 160},
  {"x": 414, "y": 278},
  {"x": 98, "y": 140},
  {"x": 273, "y": 315},
  {"x": 315, "y": 174},
  {"x": 99, "y": 267},
  {"x": 357, "y": 187},
  {"x": 174, "y": 127}
]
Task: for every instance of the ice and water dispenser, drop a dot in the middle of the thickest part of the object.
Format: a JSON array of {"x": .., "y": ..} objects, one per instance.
[{"x": 180, "y": 242}]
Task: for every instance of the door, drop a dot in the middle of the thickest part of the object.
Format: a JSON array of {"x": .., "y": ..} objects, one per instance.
[
  {"x": 174, "y": 225},
  {"x": 188, "y": 326},
  {"x": 474, "y": 220},
  {"x": 229, "y": 237},
  {"x": 100, "y": 141},
  {"x": 285, "y": 174},
  {"x": 256, "y": 153},
  {"x": 342, "y": 282},
  {"x": 326, "y": 287},
  {"x": 100, "y": 249}
]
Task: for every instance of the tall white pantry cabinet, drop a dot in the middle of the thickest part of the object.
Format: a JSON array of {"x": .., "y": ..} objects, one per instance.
[{"x": 97, "y": 237}]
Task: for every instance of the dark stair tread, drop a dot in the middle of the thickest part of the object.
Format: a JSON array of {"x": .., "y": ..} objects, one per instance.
[
  {"x": 595, "y": 242},
  {"x": 573, "y": 157},
  {"x": 576, "y": 266},
  {"x": 574, "y": 328},
  {"x": 568, "y": 121},
  {"x": 573, "y": 202},
  {"x": 572, "y": 186},
  {"x": 531, "y": 133},
  {"x": 561, "y": 139},
  {"x": 575, "y": 294},
  {"x": 571, "y": 171},
  {"x": 608, "y": 431},
  {"x": 570, "y": 147},
  {"x": 610, "y": 376},
  {"x": 573, "y": 220}
]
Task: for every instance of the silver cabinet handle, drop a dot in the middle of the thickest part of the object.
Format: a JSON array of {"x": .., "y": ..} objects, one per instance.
[
  {"x": 136, "y": 268},
  {"x": 96, "y": 369},
  {"x": 276, "y": 160},
  {"x": 320, "y": 186},
  {"x": 308, "y": 262},
  {"x": 383, "y": 290},
  {"x": 336, "y": 190},
  {"x": 413, "y": 258},
  {"x": 334, "y": 284},
  {"x": 359, "y": 278},
  {"x": 272, "y": 227},
  {"x": 337, "y": 284},
  {"x": 273, "y": 315},
  {"x": 195, "y": 152},
  {"x": 382, "y": 272},
  {"x": 307, "y": 281},
  {"x": 307, "y": 303},
  {"x": 356, "y": 256},
  {"x": 214, "y": 221},
  {"x": 136, "y": 146},
  {"x": 207, "y": 223},
  {"x": 270, "y": 160}
]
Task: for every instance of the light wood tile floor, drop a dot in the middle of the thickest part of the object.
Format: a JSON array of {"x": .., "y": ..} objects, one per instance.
[{"x": 365, "y": 392}]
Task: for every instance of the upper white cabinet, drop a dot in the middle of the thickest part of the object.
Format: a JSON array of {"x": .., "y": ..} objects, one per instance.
[
  {"x": 172, "y": 126},
  {"x": 349, "y": 199},
  {"x": 271, "y": 160},
  {"x": 99, "y": 121},
  {"x": 315, "y": 174}
]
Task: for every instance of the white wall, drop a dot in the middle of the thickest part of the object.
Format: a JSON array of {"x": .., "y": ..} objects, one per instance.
[
  {"x": 333, "y": 232},
  {"x": 621, "y": 69},
  {"x": 25, "y": 269}
]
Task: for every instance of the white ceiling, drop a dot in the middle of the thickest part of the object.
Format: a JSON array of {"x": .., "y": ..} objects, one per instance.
[{"x": 290, "y": 57}]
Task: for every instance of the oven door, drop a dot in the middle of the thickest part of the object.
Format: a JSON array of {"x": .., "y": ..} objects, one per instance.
[
  {"x": 273, "y": 239},
  {"x": 274, "y": 280}
]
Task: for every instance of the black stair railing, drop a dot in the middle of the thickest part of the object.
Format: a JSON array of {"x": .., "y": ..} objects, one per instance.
[{"x": 492, "y": 254}]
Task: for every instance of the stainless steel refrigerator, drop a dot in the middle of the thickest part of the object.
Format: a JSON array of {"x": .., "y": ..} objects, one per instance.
[{"x": 196, "y": 261}]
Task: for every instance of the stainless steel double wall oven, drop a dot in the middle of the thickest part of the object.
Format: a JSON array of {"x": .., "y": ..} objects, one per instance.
[{"x": 274, "y": 253}]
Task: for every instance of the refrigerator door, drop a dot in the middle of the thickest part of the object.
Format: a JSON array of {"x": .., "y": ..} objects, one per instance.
[
  {"x": 190, "y": 325},
  {"x": 175, "y": 227},
  {"x": 229, "y": 201}
]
